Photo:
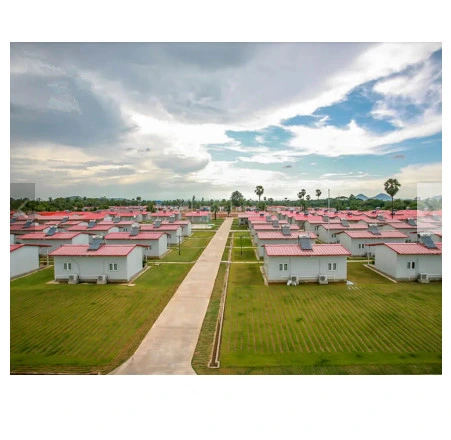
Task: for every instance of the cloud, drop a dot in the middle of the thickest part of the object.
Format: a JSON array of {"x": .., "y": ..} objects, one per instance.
[{"x": 399, "y": 156}]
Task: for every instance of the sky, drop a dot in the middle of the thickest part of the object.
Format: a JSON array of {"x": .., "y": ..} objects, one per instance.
[{"x": 172, "y": 120}]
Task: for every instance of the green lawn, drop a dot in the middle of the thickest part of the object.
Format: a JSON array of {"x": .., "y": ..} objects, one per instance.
[
  {"x": 84, "y": 328},
  {"x": 371, "y": 327},
  {"x": 190, "y": 249}
]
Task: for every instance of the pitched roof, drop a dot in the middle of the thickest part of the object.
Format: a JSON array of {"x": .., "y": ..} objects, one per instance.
[
  {"x": 94, "y": 228},
  {"x": 294, "y": 250},
  {"x": 57, "y": 236},
  {"x": 139, "y": 236},
  {"x": 366, "y": 234},
  {"x": 414, "y": 249},
  {"x": 273, "y": 235},
  {"x": 13, "y": 247},
  {"x": 269, "y": 226},
  {"x": 163, "y": 227},
  {"x": 80, "y": 250},
  {"x": 340, "y": 227}
]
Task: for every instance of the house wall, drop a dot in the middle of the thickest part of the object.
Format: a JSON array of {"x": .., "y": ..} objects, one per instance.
[
  {"x": 89, "y": 268},
  {"x": 173, "y": 236},
  {"x": 306, "y": 268},
  {"x": 325, "y": 238},
  {"x": 12, "y": 239},
  {"x": 24, "y": 260},
  {"x": 385, "y": 260},
  {"x": 134, "y": 262}
]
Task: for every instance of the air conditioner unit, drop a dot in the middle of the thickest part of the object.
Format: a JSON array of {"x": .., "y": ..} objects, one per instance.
[
  {"x": 322, "y": 279},
  {"x": 73, "y": 279},
  {"x": 102, "y": 279},
  {"x": 294, "y": 279},
  {"x": 424, "y": 278}
]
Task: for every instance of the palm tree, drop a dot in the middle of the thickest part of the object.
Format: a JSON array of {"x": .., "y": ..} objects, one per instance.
[
  {"x": 301, "y": 195},
  {"x": 259, "y": 190},
  {"x": 391, "y": 188},
  {"x": 307, "y": 198},
  {"x": 215, "y": 208},
  {"x": 318, "y": 193}
]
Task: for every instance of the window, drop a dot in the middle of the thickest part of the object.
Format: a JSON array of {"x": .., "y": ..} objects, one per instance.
[
  {"x": 411, "y": 265},
  {"x": 113, "y": 266},
  {"x": 334, "y": 235},
  {"x": 332, "y": 266},
  {"x": 283, "y": 266},
  {"x": 361, "y": 246},
  {"x": 67, "y": 266},
  {"x": 316, "y": 228}
]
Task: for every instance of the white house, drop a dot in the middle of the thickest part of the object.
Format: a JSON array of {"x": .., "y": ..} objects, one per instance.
[
  {"x": 329, "y": 233},
  {"x": 165, "y": 215},
  {"x": 199, "y": 216},
  {"x": 23, "y": 259},
  {"x": 55, "y": 241},
  {"x": 408, "y": 261},
  {"x": 356, "y": 242},
  {"x": 108, "y": 263},
  {"x": 186, "y": 225},
  {"x": 405, "y": 228},
  {"x": 102, "y": 229},
  {"x": 270, "y": 227},
  {"x": 264, "y": 238},
  {"x": 173, "y": 231},
  {"x": 322, "y": 263},
  {"x": 155, "y": 244}
]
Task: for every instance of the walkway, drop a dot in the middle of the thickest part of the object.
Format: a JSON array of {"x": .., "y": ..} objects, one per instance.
[{"x": 169, "y": 346}]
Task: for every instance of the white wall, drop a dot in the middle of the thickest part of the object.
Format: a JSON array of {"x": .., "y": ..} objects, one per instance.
[
  {"x": 12, "y": 239},
  {"x": 24, "y": 260},
  {"x": 307, "y": 268},
  {"x": 135, "y": 262},
  {"x": 385, "y": 260},
  {"x": 55, "y": 244},
  {"x": 333, "y": 237}
]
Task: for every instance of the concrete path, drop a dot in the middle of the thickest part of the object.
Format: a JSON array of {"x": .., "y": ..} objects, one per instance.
[{"x": 169, "y": 346}]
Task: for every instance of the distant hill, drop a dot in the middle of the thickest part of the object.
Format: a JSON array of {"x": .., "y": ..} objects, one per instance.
[
  {"x": 382, "y": 196},
  {"x": 361, "y": 197}
]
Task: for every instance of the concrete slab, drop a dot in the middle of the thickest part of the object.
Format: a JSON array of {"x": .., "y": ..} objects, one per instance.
[{"x": 169, "y": 346}]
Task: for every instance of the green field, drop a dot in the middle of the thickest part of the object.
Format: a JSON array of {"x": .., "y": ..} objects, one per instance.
[
  {"x": 190, "y": 249},
  {"x": 371, "y": 327},
  {"x": 84, "y": 328}
]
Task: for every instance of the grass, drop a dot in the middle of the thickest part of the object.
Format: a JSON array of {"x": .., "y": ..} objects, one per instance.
[
  {"x": 190, "y": 249},
  {"x": 84, "y": 328},
  {"x": 371, "y": 327},
  {"x": 202, "y": 353}
]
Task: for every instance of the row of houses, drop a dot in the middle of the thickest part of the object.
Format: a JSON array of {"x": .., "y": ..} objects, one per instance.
[{"x": 294, "y": 255}]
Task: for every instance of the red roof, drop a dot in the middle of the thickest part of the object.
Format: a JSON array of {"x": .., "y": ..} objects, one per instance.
[
  {"x": 278, "y": 235},
  {"x": 414, "y": 249},
  {"x": 57, "y": 236},
  {"x": 13, "y": 247},
  {"x": 94, "y": 228},
  {"x": 139, "y": 236},
  {"x": 163, "y": 227},
  {"x": 269, "y": 227},
  {"x": 294, "y": 250},
  {"x": 340, "y": 227},
  {"x": 15, "y": 228},
  {"x": 164, "y": 214},
  {"x": 401, "y": 225},
  {"x": 367, "y": 234},
  {"x": 80, "y": 250}
]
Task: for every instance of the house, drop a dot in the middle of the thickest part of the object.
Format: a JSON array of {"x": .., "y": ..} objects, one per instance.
[
  {"x": 409, "y": 229},
  {"x": 93, "y": 229},
  {"x": 23, "y": 259},
  {"x": 282, "y": 236},
  {"x": 99, "y": 263},
  {"x": 199, "y": 216},
  {"x": 314, "y": 222},
  {"x": 329, "y": 232},
  {"x": 165, "y": 215},
  {"x": 270, "y": 227},
  {"x": 186, "y": 225},
  {"x": 155, "y": 244},
  {"x": 356, "y": 242},
  {"x": 409, "y": 261},
  {"x": 305, "y": 262},
  {"x": 173, "y": 231},
  {"x": 55, "y": 240}
]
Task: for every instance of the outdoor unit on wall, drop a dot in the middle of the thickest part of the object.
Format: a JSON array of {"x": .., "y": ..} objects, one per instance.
[
  {"x": 322, "y": 279},
  {"x": 102, "y": 279},
  {"x": 424, "y": 278},
  {"x": 292, "y": 281},
  {"x": 73, "y": 279}
]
